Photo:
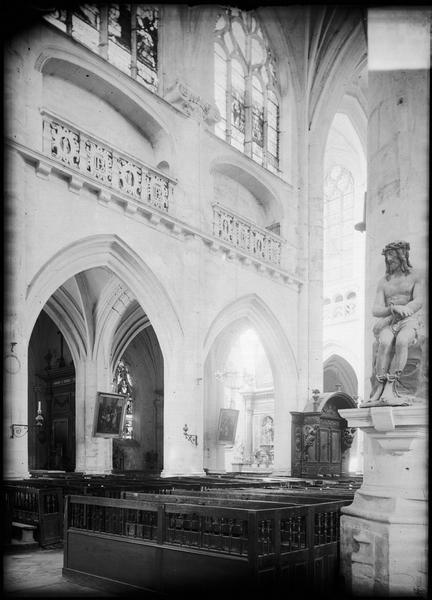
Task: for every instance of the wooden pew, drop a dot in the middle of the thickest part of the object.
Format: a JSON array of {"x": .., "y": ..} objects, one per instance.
[
  {"x": 38, "y": 507},
  {"x": 164, "y": 547}
]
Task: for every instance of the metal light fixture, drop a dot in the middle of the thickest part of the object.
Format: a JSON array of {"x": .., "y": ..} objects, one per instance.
[
  {"x": 19, "y": 430},
  {"x": 193, "y": 439}
]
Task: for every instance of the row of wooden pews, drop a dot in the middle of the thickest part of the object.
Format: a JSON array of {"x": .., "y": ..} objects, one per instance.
[
  {"x": 36, "y": 504},
  {"x": 214, "y": 540}
]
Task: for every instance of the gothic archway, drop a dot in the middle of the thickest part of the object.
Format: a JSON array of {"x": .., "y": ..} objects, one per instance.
[{"x": 251, "y": 312}]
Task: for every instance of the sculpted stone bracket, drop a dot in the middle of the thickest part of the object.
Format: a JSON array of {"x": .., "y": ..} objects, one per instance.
[{"x": 183, "y": 98}]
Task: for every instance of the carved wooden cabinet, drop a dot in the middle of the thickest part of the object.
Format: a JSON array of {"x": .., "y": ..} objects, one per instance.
[{"x": 321, "y": 439}]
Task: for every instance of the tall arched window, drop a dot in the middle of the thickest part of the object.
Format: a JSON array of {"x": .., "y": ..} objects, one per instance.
[
  {"x": 123, "y": 385},
  {"x": 125, "y": 34},
  {"x": 338, "y": 224},
  {"x": 246, "y": 91}
]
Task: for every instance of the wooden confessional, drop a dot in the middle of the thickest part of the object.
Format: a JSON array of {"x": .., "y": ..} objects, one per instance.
[{"x": 321, "y": 438}]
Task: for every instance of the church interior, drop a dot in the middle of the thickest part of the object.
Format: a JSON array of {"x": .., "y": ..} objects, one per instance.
[{"x": 215, "y": 318}]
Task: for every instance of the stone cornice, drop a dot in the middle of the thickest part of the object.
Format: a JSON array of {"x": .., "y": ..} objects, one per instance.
[{"x": 151, "y": 216}]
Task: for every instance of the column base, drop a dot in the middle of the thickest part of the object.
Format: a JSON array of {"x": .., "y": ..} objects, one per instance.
[
  {"x": 383, "y": 559},
  {"x": 384, "y": 531}
]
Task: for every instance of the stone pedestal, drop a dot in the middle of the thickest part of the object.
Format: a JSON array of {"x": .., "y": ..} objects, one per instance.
[{"x": 384, "y": 531}]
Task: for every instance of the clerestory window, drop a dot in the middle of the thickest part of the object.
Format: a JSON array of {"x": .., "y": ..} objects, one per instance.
[
  {"x": 338, "y": 224},
  {"x": 123, "y": 385},
  {"x": 125, "y": 34},
  {"x": 245, "y": 87}
]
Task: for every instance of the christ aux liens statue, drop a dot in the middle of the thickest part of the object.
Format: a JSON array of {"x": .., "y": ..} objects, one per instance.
[{"x": 398, "y": 301}]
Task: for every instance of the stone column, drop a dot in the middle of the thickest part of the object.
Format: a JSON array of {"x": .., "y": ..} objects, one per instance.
[
  {"x": 93, "y": 454},
  {"x": 398, "y": 146},
  {"x": 16, "y": 337},
  {"x": 310, "y": 349},
  {"x": 183, "y": 378},
  {"x": 384, "y": 531}
]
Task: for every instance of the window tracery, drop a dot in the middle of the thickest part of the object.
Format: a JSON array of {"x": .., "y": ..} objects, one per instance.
[
  {"x": 125, "y": 34},
  {"x": 338, "y": 224},
  {"x": 123, "y": 385},
  {"x": 245, "y": 86}
]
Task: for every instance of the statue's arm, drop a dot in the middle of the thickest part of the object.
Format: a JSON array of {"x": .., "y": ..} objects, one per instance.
[
  {"x": 379, "y": 308},
  {"x": 411, "y": 307},
  {"x": 417, "y": 297}
]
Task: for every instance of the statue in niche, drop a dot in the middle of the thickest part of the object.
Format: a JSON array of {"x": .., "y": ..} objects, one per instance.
[
  {"x": 267, "y": 431},
  {"x": 398, "y": 329}
]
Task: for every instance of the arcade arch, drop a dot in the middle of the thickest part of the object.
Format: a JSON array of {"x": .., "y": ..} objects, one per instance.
[
  {"x": 247, "y": 313},
  {"x": 101, "y": 318},
  {"x": 114, "y": 326},
  {"x": 339, "y": 372}
]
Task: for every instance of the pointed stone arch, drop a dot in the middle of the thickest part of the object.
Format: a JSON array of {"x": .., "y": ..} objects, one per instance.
[
  {"x": 110, "y": 251},
  {"x": 252, "y": 311},
  {"x": 258, "y": 314},
  {"x": 337, "y": 368}
]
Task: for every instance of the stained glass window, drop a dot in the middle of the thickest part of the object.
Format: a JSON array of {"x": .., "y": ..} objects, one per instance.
[
  {"x": 123, "y": 385},
  {"x": 86, "y": 25},
  {"x": 246, "y": 91},
  {"x": 125, "y": 34}
]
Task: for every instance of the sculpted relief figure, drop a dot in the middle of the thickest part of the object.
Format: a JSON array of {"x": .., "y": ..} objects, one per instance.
[{"x": 397, "y": 304}]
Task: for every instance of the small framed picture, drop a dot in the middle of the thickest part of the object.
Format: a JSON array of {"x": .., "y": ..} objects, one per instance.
[
  {"x": 227, "y": 425},
  {"x": 110, "y": 412}
]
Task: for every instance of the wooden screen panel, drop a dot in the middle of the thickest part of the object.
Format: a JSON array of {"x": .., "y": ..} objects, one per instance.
[
  {"x": 324, "y": 445},
  {"x": 335, "y": 446}
]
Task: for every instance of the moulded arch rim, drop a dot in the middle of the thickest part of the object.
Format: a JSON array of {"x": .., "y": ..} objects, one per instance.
[
  {"x": 288, "y": 77},
  {"x": 95, "y": 64},
  {"x": 271, "y": 197},
  {"x": 226, "y": 337},
  {"x": 325, "y": 397},
  {"x": 340, "y": 362},
  {"x": 335, "y": 349},
  {"x": 121, "y": 340},
  {"x": 350, "y": 59},
  {"x": 254, "y": 309},
  {"x": 69, "y": 331},
  {"x": 112, "y": 252}
]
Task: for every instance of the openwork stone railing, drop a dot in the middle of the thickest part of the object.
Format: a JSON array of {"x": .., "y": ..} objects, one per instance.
[
  {"x": 245, "y": 235},
  {"x": 93, "y": 158},
  {"x": 338, "y": 311}
]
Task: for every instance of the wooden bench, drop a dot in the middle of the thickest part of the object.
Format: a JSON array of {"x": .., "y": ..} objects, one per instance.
[
  {"x": 38, "y": 510},
  {"x": 166, "y": 547}
]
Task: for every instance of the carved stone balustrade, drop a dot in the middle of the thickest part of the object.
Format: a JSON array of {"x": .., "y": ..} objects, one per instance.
[
  {"x": 95, "y": 159},
  {"x": 246, "y": 235},
  {"x": 340, "y": 311}
]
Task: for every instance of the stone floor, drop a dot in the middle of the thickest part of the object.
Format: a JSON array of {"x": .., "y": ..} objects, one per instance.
[{"x": 37, "y": 573}]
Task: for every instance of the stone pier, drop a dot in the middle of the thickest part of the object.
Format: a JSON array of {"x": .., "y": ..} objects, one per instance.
[{"x": 384, "y": 531}]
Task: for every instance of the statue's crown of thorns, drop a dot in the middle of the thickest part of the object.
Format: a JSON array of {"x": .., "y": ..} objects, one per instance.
[{"x": 396, "y": 246}]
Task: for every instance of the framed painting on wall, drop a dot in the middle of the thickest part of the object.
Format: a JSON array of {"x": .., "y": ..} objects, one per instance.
[
  {"x": 110, "y": 413},
  {"x": 227, "y": 425}
]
